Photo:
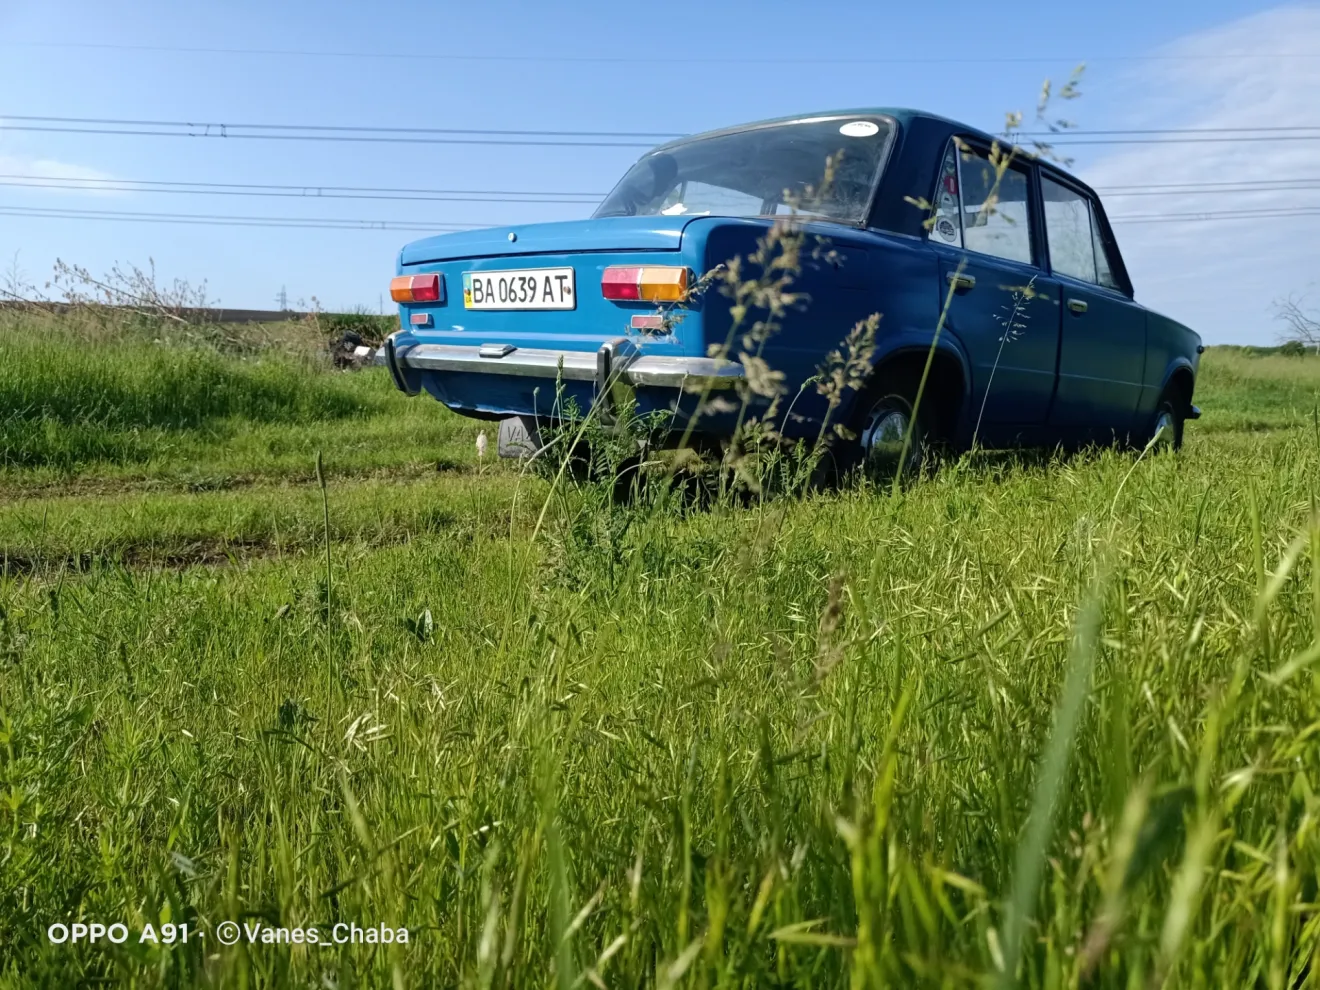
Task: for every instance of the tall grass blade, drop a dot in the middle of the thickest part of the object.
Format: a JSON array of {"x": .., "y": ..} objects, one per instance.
[{"x": 1033, "y": 846}]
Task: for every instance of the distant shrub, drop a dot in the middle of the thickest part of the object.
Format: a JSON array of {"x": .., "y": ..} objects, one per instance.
[
  {"x": 1292, "y": 348},
  {"x": 370, "y": 327}
]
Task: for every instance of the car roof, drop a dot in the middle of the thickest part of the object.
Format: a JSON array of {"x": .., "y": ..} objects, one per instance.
[{"x": 903, "y": 115}]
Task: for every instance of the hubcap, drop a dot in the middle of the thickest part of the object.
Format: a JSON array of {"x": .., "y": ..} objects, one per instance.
[
  {"x": 1164, "y": 429},
  {"x": 882, "y": 439}
]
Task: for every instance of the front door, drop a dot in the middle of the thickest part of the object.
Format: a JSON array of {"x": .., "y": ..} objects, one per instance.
[{"x": 1002, "y": 309}]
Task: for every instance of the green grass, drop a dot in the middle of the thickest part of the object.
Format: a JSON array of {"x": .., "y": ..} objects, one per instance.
[
  {"x": 124, "y": 413},
  {"x": 1258, "y": 392},
  {"x": 796, "y": 742}
]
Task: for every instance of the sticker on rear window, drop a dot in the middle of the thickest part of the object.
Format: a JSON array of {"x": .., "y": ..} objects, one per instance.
[{"x": 859, "y": 128}]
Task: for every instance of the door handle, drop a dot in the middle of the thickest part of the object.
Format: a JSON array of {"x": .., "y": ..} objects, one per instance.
[
  {"x": 1077, "y": 305},
  {"x": 960, "y": 282}
]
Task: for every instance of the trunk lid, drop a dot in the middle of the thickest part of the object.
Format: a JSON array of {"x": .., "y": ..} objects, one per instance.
[
  {"x": 586, "y": 246},
  {"x": 603, "y": 234}
]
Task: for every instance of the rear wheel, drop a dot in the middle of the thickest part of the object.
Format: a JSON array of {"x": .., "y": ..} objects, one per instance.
[
  {"x": 882, "y": 420},
  {"x": 885, "y": 428}
]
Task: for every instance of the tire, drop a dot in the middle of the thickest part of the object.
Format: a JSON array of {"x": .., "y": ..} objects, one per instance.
[
  {"x": 1166, "y": 425},
  {"x": 879, "y": 427}
]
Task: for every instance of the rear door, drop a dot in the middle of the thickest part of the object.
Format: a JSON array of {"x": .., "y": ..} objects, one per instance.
[
  {"x": 1103, "y": 332},
  {"x": 1003, "y": 310}
]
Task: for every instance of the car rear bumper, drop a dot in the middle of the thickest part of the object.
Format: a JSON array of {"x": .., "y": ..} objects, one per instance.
[{"x": 617, "y": 360}]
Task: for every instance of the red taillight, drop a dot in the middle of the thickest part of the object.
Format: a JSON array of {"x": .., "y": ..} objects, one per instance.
[
  {"x": 652, "y": 283},
  {"x": 426, "y": 288},
  {"x": 416, "y": 288},
  {"x": 621, "y": 283}
]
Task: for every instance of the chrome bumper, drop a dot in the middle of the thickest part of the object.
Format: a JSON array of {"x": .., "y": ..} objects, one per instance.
[{"x": 616, "y": 361}]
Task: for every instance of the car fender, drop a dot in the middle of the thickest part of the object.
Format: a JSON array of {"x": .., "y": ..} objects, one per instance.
[
  {"x": 1177, "y": 363},
  {"x": 911, "y": 339},
  {"x": 1170, "y": 348},
  {"x": 917, "y": 340}
]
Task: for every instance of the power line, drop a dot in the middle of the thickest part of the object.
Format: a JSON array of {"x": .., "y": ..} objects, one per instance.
[
  {"x": 551, "y": 197},
  {"x": 1198, "y": 191},
  {"x": 1264, "y": 213},
  {"x": 223, "y": 127},
  {"x": 1136, "y": 131},
  {"x": 315, "y": 186},
  {"x": 633, "y": 59},
  {"x": 356, "y": 139},
  {"x": 300, "y": 192},
  {"x": 1245, "y": 184},
  {"x": 585, "y": 139},
  {"x": 206, "y": 219},
  {"x": 1227, "y": 139},
  {"x": 315, "y": 223},
  {"x": 331, "y": 132}
]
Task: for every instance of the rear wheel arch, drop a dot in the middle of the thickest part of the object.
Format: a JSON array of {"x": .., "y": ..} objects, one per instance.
[{"x": 945, "y": 394}]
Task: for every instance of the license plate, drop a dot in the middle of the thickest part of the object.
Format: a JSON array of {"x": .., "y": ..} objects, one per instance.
[{"x": 523, "y": 288}]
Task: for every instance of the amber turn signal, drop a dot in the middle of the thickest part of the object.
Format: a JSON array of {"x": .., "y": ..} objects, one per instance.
[{"x": 652, "y": 283}]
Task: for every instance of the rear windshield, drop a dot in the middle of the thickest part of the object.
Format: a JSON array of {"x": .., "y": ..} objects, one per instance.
[{"x": 761, "y": 171}]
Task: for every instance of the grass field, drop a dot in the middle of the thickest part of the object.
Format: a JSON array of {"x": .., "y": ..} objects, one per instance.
[{"x": 1047, "y": 725}]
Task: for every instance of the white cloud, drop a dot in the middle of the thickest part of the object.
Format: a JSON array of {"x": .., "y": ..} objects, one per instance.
[
  {"x": 48, "y": 168},
  {"x": 65, "y": 176},
  {"x": 1221, "y": 277}
]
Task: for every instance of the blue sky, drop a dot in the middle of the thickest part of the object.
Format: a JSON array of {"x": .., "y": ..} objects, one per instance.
[{"x": 683, "y": 68}]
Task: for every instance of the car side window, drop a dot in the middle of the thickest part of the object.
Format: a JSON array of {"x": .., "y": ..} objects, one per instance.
[
  {"x": 996, "y": 217},
  {"x": 1069, "y": 232},
  {"x": 1073, "y": 231},
  {"x": 1103, "y": 269},
  {"x": 946, "y": 221}
]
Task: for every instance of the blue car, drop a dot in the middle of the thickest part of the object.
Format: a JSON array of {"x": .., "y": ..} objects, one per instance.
[{"x": 1007, "y": 266}]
